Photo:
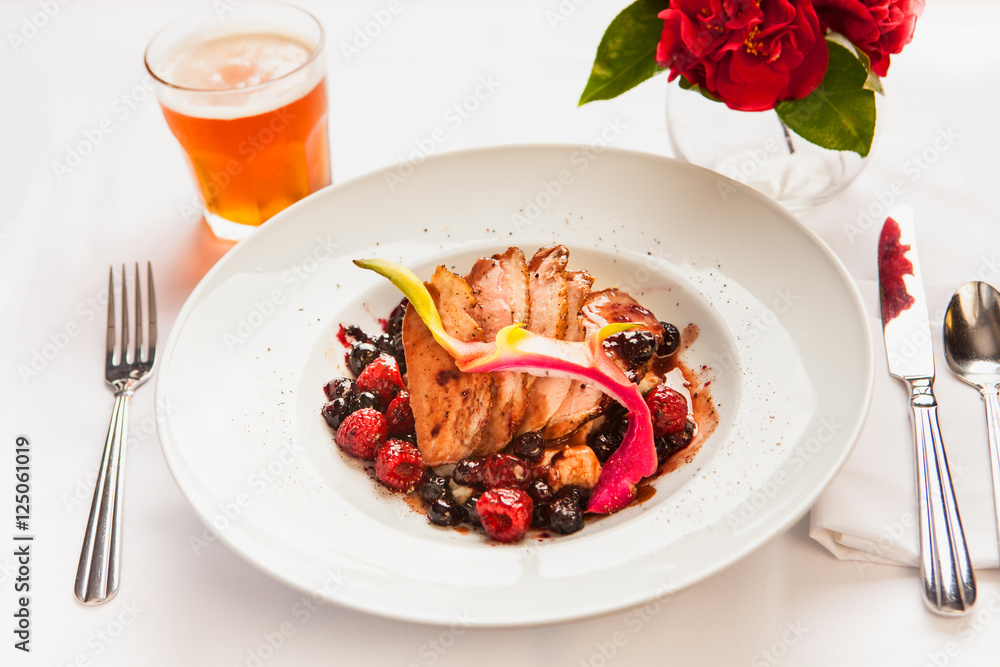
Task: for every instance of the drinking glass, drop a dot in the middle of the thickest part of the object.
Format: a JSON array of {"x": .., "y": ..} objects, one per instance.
[{"x": 244, "y": 93}]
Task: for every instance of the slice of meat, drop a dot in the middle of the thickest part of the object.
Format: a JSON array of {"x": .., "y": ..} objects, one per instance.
[
  {"x": 548, "y": 315},
  {"x": 584, "y": 402},
  {"x": 548, "y": 311},
  {"x": 578, "y": 284},
  {"x": 581, "y": 402},
  {"x": 450, "y": 408},
  {"x": 500, "y": 286}
]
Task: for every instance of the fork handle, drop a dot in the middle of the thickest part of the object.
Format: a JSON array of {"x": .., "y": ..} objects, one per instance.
[
  {"x": 97, "y": 573},
  {"x": 949, "y": 583}
]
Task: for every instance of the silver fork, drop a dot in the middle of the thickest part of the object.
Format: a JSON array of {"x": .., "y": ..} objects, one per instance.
[{"x": 98, "y": 572}]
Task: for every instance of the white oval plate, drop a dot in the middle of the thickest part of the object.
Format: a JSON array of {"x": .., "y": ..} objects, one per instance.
[{"x": 242, "y": 374}]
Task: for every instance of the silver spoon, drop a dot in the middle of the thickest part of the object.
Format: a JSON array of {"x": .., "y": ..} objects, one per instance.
[{"x": 972, "y": 347}]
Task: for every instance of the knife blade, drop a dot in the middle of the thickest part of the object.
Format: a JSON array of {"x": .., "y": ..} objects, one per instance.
[
  {"x": 945, "y": 566},
  {"x": 905, "y": 322}
]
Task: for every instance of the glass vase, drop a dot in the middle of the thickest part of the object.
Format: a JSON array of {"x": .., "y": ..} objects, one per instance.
[{"x": 757, "y": 149}]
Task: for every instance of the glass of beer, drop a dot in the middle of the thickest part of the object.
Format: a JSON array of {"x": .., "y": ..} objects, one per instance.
[{"x": 244, "y": 92}]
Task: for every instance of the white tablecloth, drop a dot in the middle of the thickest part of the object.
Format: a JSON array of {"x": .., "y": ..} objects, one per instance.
[{"x": 89, "y": 175}]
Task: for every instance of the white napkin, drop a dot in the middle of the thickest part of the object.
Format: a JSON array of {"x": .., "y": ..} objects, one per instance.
[{"x": 869, "y": 512}]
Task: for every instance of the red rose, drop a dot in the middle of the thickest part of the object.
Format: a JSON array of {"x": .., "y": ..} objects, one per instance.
[
  {"x": 751, "y": 54},
  {"x": 877, "y": 27}
]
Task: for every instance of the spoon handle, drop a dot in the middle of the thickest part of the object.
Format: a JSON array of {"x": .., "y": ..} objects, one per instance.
[
  {"x": 949, "y": 584},
  {"x": 990, "y": 397}
]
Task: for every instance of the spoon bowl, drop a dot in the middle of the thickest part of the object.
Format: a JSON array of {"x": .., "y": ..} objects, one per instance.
[
  {"x": 972, "y": 348},
  {"x": 972, "y": 334}
]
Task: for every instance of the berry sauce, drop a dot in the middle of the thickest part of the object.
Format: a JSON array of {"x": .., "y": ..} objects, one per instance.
[
  {"x": 451, "y": 497},
  {"x": 892, "y": 266}
]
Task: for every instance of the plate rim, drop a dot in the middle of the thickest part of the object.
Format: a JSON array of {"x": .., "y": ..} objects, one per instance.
[{"x": 749, "y": 544}]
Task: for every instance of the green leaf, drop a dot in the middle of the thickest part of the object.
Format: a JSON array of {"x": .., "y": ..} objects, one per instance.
[
  {"x": 687, "y": 85},
  {"x": 873, "y": 81},
  {"x": 840, "y": 113},
  {"x": 626, "y": 55}
]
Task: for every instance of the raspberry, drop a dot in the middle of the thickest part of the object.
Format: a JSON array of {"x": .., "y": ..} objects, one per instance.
[
  {"x": 399, "y": 415},
  {"x": 381, "y": 377},
  {"x": 504, "y": 470},
  {"x": 399, "y": 466},
  {"x": 505, "y": 513},
  {"x": 361, "y": 433},
  {"x": 668, "y": 408}
]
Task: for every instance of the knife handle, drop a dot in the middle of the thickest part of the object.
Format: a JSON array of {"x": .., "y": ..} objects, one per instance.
[{"x": 949, "y": 584}]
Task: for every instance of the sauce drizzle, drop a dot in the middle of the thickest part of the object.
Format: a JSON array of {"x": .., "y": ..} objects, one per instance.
[{"x": 892, "y": 266}]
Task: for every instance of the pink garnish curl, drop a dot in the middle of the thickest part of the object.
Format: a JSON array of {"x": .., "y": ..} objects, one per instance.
[{"x": 517, "y": 349}]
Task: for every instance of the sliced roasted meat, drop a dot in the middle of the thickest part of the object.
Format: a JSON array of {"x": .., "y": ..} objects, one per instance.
[
  {"x": 500, "y": 286},
  {"x": 584, "y": 402},
  {"x": 450, "y": 408},
  {"x": 548, "y": 315}
]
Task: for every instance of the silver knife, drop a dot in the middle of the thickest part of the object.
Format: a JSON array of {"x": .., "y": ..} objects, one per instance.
[{"x": 949, "y": 583}]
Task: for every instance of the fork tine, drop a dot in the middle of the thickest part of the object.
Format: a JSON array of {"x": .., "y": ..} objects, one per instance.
[
  {"x": 137, "y": 356},
  {"x": 151, "y": 323},
  {"x": 110, "y": 359},
  {"x": 124, "y": 357}
]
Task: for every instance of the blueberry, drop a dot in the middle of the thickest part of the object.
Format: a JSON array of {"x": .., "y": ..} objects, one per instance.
[
  {"x": 602, "y": 445},
  {"x": 445, "y": 511},
  {"x": 392, "y": 344},
  {"x": 670, "y": 444},
  {"x": 395, "y": 324},
  {"x": 670, "y": 342},
  {"x": 339, "y": 387},
  {"x": 384, "y": 343},
  {"x": 614, "y": 412},
  {"x": 398, "y": 352},
  {"x": 469, "y": 506},
  {"x": 577, "y": 494},
  {"x": 360, "y": 356},
  {"x": 434, "y": 487},
  {"x": 334, "y": 412},
  {"x": 638, "y": 347},
  {"x": 565, "y": 516},
  {"x": 615, "y": 430},
  {"x": 362, "y": 399},
  {"x": 529, "y": 446},
  {"x": 355, "y": 333},
  {"x": 540, "y": 515},
  {"x": 468, "y": 472},
  {"x": 540, "y": 491}
]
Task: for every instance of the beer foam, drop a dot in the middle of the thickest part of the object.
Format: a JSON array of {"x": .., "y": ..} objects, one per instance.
[
  {"x": 234, "y": 61},
  {"x": 221, "y": 76}
]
